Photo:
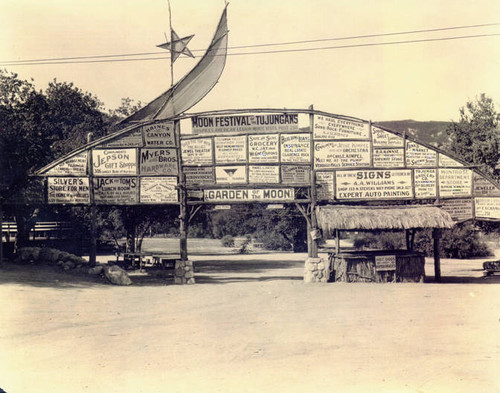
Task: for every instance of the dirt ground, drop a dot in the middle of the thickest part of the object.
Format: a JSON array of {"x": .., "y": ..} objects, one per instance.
[{"x": 250, "y": 324}]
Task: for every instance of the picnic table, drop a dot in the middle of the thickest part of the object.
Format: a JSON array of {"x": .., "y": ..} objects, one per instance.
[{"x": 134, "y": 260}]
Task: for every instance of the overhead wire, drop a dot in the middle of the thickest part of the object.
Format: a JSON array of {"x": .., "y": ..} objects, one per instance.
[{"x": 112, "y": 58}]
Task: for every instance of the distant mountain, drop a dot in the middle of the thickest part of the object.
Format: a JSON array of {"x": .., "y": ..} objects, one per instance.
[{"x": 431, "y": 132}]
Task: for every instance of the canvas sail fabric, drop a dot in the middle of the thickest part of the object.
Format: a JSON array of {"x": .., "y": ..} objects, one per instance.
[{"x": 192, "y": 87}]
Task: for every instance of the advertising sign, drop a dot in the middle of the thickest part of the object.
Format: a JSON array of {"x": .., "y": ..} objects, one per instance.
[
  {"x": 425, "y": 183},
  {"x": 374, "y": 184},
  {"x": 385, "y": 262},
  {"x": 68, "y": 190},
  {"x": 245, "y": 123},
  {"x": 445, "y": 161},
  {"x": 459, "y": 209},
  {"x": 199, "y": 175},
  {"x": 230, "y": 149},
  {"x": 382, "y": 138},
  {"x": 231, "y": 174},
  {"x": 247, "y": 195},
  {"x": 325, "y": 189},
  {"x": 484, "y": 187},
  {"x": 261, "y": 174},
  {"x": 419, "y": 156},
  {"x": 76, "y": 166},
  {"x": 114, "y": 162},
  {"x": 159, "y": 134},
  {"x": 487, "y": 207},
  {"x": 388, "y": 158},
  {"x": 158, "y": 162},
  {"x": 130, "y": 139},
  {"x": 159, "y": 190},
  {"x": 196, "y": 151},
  {"x": 330, "y": 155},
  {"x": 115, "y": 190},
  {"x": 296, "y": 148},
  {"x": 263, "y": 148},
  {"x": 295, "y": 174},
  {"x": 455, "y": 182},
  {"x": 326, "y": 127}
]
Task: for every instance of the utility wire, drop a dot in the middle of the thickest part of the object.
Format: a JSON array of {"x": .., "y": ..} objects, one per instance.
[
  {"x": 58, "y": 61},
  {"x": 17, "y": 62}
]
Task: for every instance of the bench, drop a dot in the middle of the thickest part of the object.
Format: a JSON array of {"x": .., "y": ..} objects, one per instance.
[{"x": 491, "y": 268}]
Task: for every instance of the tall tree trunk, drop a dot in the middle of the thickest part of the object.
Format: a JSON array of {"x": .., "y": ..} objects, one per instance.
[{"x": 26, "y": 217}]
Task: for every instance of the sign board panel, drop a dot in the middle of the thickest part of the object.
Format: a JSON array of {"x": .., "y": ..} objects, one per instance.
[
  {"x": 325, "y": 189},
  {"x": 484, "y": 187},
  {"x": 487, "y": 207},
  {"x": 459, "y": 209},
  {"x": 199, "y": 175},
  {"x": 419, "y": 156},
  {"x": 382, "y": 138},
  {"x": 385, "y": 262},
  {"x": 159, "y": 189},
  {"x": 231, "y": 174},
  {"x": 76, "y": 166},
  {"x": 70, "y": 190},
  {"x": 263, "y": 148},
  {"x": 374, "y": 184},
  {"x": 296, "y": 148},
  {"x": 245, "y": 123},
  {"x": 388, "y": 158},
  {"x": 445, "y": 161},
  {"x": 230, "y": 149},
  {"x": 114, "y": 162},
  {"x": 330, "y": 155},
  {"x": 263, "y": 174},
  {"x": 425, "y": 183},
  {"x": 158, "y": 162},
  {"x": 247, "y": 195},
  {"x": 196, "y": 151},
  {"x": 455, "y": 182},
  {"x": 327, "y": 127},
  {"x": 115, "y": 190},
  {"x": 130, "y": 139},
  {"x": 295, "y": 174},
  {"x": 159, "y": 134}
]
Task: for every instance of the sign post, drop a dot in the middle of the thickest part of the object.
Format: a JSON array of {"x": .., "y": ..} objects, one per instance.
[{"x": 93, "y": 211}]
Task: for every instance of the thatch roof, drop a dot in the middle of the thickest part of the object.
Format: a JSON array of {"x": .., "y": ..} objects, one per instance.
[{"x": 345, "y": 217}]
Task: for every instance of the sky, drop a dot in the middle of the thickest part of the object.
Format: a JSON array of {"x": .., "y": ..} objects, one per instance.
[{"x": 421, "y": 81}]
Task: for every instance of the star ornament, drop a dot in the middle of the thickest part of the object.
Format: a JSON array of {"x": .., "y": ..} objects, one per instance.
[{"x": 178, "y": 46}]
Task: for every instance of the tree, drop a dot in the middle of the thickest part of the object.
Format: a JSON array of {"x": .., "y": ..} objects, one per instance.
[{"x": 476, "y": 136}]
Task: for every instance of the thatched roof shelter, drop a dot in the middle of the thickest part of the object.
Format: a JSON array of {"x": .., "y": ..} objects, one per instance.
[{"x": 343, "y": 217}]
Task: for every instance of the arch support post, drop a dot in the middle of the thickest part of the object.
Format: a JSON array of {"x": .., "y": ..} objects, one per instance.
[{"x": 436, "y": 236}]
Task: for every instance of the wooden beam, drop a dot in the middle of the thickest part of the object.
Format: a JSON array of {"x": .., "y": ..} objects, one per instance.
[{"x": 436, "y": 235}]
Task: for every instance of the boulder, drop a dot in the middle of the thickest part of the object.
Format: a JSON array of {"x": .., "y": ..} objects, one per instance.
[
  {"x": 116, "y": 275},
  {"x": 95, "y": 271}
]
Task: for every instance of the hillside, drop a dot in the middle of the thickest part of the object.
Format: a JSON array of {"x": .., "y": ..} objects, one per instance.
[{"x": 431, "y": 132}]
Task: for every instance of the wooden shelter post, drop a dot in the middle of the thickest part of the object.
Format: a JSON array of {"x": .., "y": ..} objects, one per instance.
[
  {"x": 436, "y": 235},
  {"x": 93, "y": 211},
  {"x": 1, "y": 235}
]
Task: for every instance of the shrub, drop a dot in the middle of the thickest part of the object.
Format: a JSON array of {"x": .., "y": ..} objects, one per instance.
[
  {"x": 227, "y": 241},
  {"x": 272, "y": 241}
]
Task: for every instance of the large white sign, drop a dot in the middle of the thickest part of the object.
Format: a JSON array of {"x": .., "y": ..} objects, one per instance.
[
  {"x": 68, "y": 190},
  {"x": 76, "y": 166},
  {"x": 230, "y": 149},
  {"x": 326, "y": 127},
  {"x": 487, "y": 207},
  {"x": 484, "y": 187},
  {"x": 295, "y": 174},
  {"x": 261, "y": 174},
  {"x": 388, "y": 158},
  {"x": 263, "y": 148},
  {"x": 445, "y": 161},
  {"x": 419, "y": 156},
  {"x": 330, "y": 155},
  {"x": 245, "y": 123},
  {"x": 196, "y": 151},
  {"x": 159, "y": 134},
  {"x": 130, "y": 139},
  {"x": 115, "y": 190},
  {"x": 382, "y": 138},
  {"x": 296, "y": 148},
  {"x": 374, "y": 184},
  {"x": 246, "y": 195},
  {"x": 325, "y": 189},
  {"x": 455, "y": 182},
  {"x": 114, "y": 162},
  {"x": 425, "y": 183},
  {"x": 231, "y": 174},
  {"x": 158, "y": 162},
  {"x": 159, "y": 190}
]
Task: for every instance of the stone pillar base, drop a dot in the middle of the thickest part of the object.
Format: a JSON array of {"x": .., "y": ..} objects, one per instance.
[
  {"x": 184, "y": 272},
  {"x": 316, "y": 270}
]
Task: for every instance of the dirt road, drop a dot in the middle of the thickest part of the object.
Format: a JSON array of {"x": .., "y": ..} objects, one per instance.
[{"x": 250, "y": 324}]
